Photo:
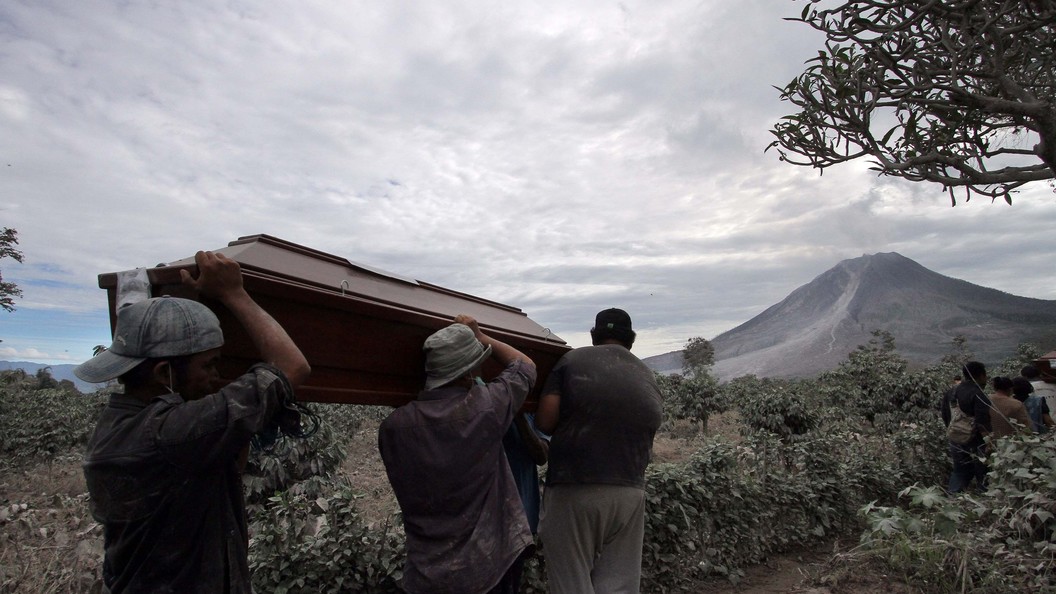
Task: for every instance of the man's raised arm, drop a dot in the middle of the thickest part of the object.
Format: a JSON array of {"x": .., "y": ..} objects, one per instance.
[{"x": 220, "y": 277}]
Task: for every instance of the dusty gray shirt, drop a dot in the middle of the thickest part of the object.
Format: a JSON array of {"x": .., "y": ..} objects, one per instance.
[
  {"x": 163, "y": 481},
  {"x": 610, "y": 411}
]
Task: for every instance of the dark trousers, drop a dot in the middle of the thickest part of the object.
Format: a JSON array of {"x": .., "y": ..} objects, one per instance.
[
  {"x": 967, "y": 466},
  {"x": 511, "y": 581}
]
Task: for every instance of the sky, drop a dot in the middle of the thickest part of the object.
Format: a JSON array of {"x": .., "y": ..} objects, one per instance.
[{"x": 559, "y": 157}]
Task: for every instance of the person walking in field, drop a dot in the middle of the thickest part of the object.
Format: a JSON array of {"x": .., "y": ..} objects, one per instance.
[
  {"x": 968, "y": 428},
  {"x": 162, "y": 466},
  {"x": 1008, "y": 416},
  {"x": 602, "y": 407},
  {"x": 1042, "y": 388},
  {"x": 465, "y": 525},
  {"x": 1037, "y": 408}
]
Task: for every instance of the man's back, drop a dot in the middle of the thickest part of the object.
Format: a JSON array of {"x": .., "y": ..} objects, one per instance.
[
  {"x": 1046, "y": 391},
  {"x": 609, "y": 412},
  {"x": 602, "y": 408},
  {"x": 1005, "y": 410},
  {"x": 443, "y": 454}
]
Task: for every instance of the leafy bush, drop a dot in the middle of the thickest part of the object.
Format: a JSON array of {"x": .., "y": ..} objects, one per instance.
[
  {"x": 784, "y": 412},
  {"x": 306, "y": 466},
  {"x": 288, "y": 463},
  {"x": 37, "y": 424},
  {"x": 345, "y": 421},
  {"x": 1026, "y": 354},
  {"x": 301, "y": 544},
  {"x": 875, "y": 383},
  {"x": 693, "y": 398},
  {"x": 999, "y": 541},
  {"x": 733, "y": 505}
]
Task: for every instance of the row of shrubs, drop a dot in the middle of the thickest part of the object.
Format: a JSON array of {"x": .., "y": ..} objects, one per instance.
[
  {"x": 859, "y": 448},
  {"x": 729, "y": 506},
  {"x": 817, "y": 458}
]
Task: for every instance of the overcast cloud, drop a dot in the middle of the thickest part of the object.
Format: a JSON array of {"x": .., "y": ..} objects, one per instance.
[{"x": 559, "y": 158}]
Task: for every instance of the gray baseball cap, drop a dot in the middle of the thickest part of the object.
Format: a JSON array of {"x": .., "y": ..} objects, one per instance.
[
  {"x": 154, "y": 328},
  {"x": 450, "y": 352}
]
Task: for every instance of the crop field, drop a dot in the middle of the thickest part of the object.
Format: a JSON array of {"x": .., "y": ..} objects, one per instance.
[{"x": 823, "y": 485}]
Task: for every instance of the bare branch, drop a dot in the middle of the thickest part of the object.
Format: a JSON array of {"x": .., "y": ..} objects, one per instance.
[{"x": 945, "y": 91}]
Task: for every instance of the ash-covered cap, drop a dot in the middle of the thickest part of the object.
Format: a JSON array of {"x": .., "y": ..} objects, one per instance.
[{"x": 151, "y": 329}]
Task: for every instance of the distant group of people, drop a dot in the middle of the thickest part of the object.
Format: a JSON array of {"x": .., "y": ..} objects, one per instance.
[
  {"x": 1022, "y": 404},
  {"x": 165, "y": 462}
]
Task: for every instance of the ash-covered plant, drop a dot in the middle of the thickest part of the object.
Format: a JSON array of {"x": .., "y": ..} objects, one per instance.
[
  {"x": 876, "y": 384},
  {"x": 1026, "y": 353},
  {"x": 304, "y": 465},
  {"x": 785, "y": 409},
  {"x": 694, "y": 398},
  {"x": 731, "y": 505},
  {"x": 302, "y": 544},
  {"x": 1001, "y": 540},
  {"x": 693, "y": 395},
  {"x": 41, "y": 419}
]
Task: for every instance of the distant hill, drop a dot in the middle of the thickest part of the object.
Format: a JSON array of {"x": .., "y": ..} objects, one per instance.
[
  {"x": 818, "y": 324},
  {"x": 59, "y": 372}
]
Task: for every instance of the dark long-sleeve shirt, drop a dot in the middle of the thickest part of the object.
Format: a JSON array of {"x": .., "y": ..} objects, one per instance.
[{"x": 165, "y": 484}]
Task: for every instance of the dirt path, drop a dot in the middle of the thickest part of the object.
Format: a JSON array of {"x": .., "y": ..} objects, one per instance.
[
  {"x": 47, "y": 537},
  {"x": 793, "y": 572},
  {"x": 809, "y": 572}
]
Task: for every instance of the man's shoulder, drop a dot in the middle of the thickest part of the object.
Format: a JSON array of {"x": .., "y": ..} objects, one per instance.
[
  {"x": 428, "y": 403},
  {"x": 604, "y": 352},
  {"x": 401, "y": 413},
  {"x": 968, "y": 389},
  {"x": 521, "y": 367}
]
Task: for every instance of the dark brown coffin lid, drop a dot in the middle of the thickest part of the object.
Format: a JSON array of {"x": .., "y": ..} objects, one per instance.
[{"x": 360, "y": 328}]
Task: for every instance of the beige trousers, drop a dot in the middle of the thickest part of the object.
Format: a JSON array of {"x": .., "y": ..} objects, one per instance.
[{"x": 592, "y": 538}]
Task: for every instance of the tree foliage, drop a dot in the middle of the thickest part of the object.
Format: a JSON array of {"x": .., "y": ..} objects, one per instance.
[
  {"x": 698, "y": 354},
  {"x": 40, "y": 418},
  {"x": 694, "y": 395},
  {"x": 784, "y": 409},
  {"x": 876, "y": 384},
  {"x": 8, "y": 291},
  {"x": 692, "y": 398},
  {"x": 1026, "y": 354},
  {"x": 953, "y": 362},
  {"x": 957, "y": 92}
]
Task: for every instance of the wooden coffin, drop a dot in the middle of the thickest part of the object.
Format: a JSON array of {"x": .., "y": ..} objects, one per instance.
[
  {"x": 1046, "y": 364},
  {"x": 361, "y": 329}
]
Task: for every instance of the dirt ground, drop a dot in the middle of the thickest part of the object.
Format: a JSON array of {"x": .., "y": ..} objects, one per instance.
[
  {"x": 803, "y": 572},
  {"x": 49, "y": 544}
]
